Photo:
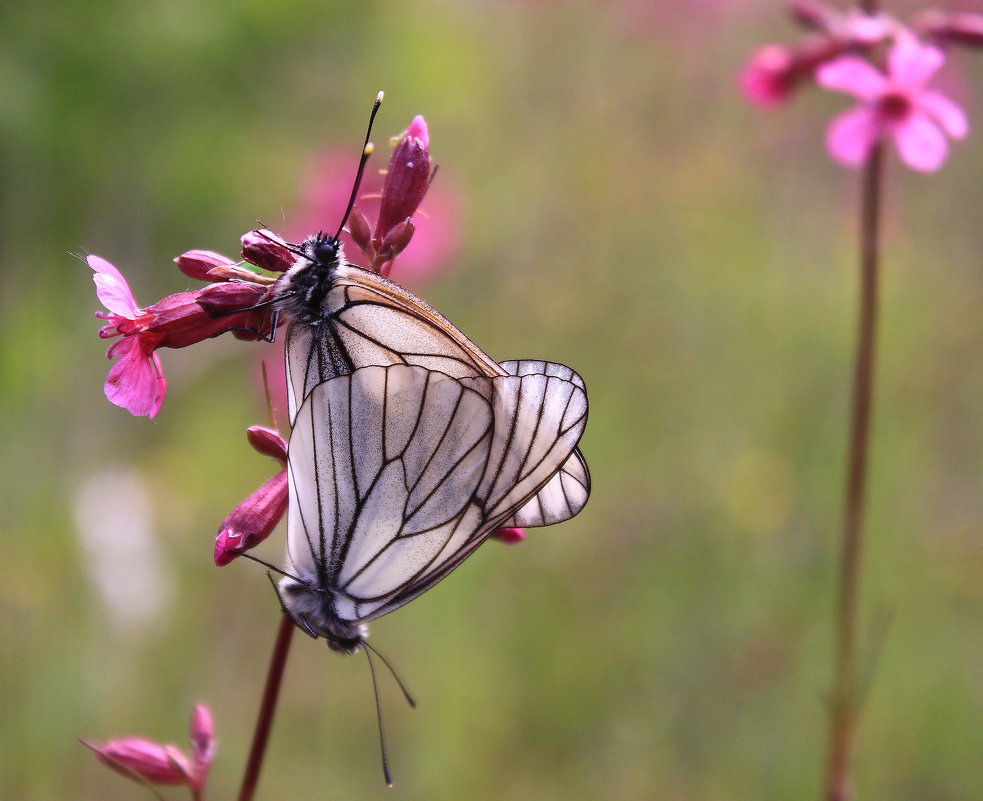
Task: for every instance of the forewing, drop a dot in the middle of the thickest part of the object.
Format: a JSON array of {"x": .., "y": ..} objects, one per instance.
[
  {"x": 384, "y": 465},
  {"x": 369, "y": 320}
]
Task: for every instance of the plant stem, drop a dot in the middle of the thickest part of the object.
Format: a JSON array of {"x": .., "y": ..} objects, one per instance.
[
  {"x": 845, "y": 701},
  {"x": 274, "y": 677}
]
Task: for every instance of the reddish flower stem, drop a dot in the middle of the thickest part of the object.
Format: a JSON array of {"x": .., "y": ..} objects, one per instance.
[
  {"x": 274, "y": 677},
  {"x": 846, "y": 696}
]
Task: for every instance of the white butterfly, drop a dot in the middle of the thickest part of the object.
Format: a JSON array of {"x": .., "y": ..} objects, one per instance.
[{"x": 409, "y": 445}]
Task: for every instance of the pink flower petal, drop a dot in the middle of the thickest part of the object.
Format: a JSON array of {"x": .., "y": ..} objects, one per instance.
[
  {"x": 851, "y": 136},
  {"x": 112, "y": 289},
  {"x": 911, "y": 64},
  {"x": 418, "y": 128},
  {"x": 852, "y": 75},
  {"x": 947, "y": 113},
  {"x": 920, "y": 143},
  {"x": 136, "y": 381}
]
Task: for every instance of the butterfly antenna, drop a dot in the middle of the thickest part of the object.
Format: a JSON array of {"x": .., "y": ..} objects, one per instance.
[
  {"x": 367, "y": 149},
  {"x": 395, "y": 675},
  {"x": 267, "y": 565},
  {"x": 378, "y": 713}
]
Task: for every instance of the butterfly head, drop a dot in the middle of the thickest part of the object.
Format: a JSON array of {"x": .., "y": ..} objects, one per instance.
[
  {"x": 312, "y": 610},
  {"x": 303, "y": 287},
  {"x": 324, "y": 250}
]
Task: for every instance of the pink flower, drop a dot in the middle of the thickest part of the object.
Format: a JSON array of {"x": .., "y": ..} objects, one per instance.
[
  {"x": 138, "y": 758},
  {"x": 136, "y": 381},
  {"x": 253, "y": 520},
  {"x": 895, "y": 105}
]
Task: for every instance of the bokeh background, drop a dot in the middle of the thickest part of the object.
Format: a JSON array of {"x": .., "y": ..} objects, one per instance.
[{"x": 619, "y": 208}]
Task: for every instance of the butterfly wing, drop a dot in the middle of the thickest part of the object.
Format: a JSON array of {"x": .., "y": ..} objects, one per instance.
[
  {"x": 369, "y": 320},
  {"x": 383, "y": 466},
  {"x": 398, "y": 473},
  {"x": 567, "y": 492},
  {"x": 538, "y": 421}
]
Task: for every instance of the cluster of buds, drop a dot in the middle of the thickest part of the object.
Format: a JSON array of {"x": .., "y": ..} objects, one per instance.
[
  {"x": 884, "y": 64},
  {"x": 236, "y": 298},
  {"x": 149, "y": 762},
  {"x": 407, "y": 180}
]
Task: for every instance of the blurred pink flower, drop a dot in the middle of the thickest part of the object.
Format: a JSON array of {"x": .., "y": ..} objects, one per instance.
[
  {"x": 895, "y": 105},
  {"x": 203, "y": 745},
  {"x": 136, "y": 381},
  {"x": 769, "y": 75},
  {"x": 436, "y": 224},
  {"x": 253, "y": 520},
  {"x": 155, "y": 763}
]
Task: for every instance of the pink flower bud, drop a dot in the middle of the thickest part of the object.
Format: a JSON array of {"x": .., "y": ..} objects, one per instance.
[
  {"x": 200, "y": 264},
  {"x": 265, "y": 249},
  {"x": 395, "y": 242},
  {"x": 138, "y": 757},
  {"x": 812, "y": 14},
  {"x": 253, "y": 520},
  {"x": 767, "y": 78},
  {"x": 268, "y": 442},
  {"x": 959, "y": 28},
  {"x": 358, "y": 228},
  {"x": 509, "y": 536},
  {"x": 203, "y": 745},
  {"x": 222, "y": 299},
  {"x": 407, "y": 179}
]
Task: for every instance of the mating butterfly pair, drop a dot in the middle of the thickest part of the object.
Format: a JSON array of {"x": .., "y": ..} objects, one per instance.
[{"x": 409, "y": 445}]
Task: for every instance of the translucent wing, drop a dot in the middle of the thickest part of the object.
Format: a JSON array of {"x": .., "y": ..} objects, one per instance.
[
  {"x": 567, "y": 492},
  {"x": 398, "y": 473},
  {"x": 369, "y": 320},
  {"x": 383, "y": 466}
]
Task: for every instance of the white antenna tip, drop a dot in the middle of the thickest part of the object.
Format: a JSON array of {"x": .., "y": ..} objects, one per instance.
[
  {"x": 369, "y": 149},
  {"x": 378, "y": 97}
]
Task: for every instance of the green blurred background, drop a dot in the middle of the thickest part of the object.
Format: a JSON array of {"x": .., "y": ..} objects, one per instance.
[{"x": 625, "y": 213}]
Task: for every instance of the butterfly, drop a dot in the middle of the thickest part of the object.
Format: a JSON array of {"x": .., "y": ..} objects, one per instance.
[{"x": 409, "y": 445}]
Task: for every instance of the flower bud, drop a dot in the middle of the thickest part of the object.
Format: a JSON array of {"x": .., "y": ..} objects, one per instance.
[
  {"x": 203, "y": 745},
  {"x": 253, "y": 520},
  {"x": 360, "y": 232},
  {"x": 138, "y": 757},
  {"x": 407, "y": 179},
  {"x": 200, "y": 264},
  {"x": 265, "y": 249},
  {"x": 958, "y": 28},
  {"x": 268, "y": 442},
  {"x": 395, "y": 242},
  {"x": 222, "y": 299}
]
